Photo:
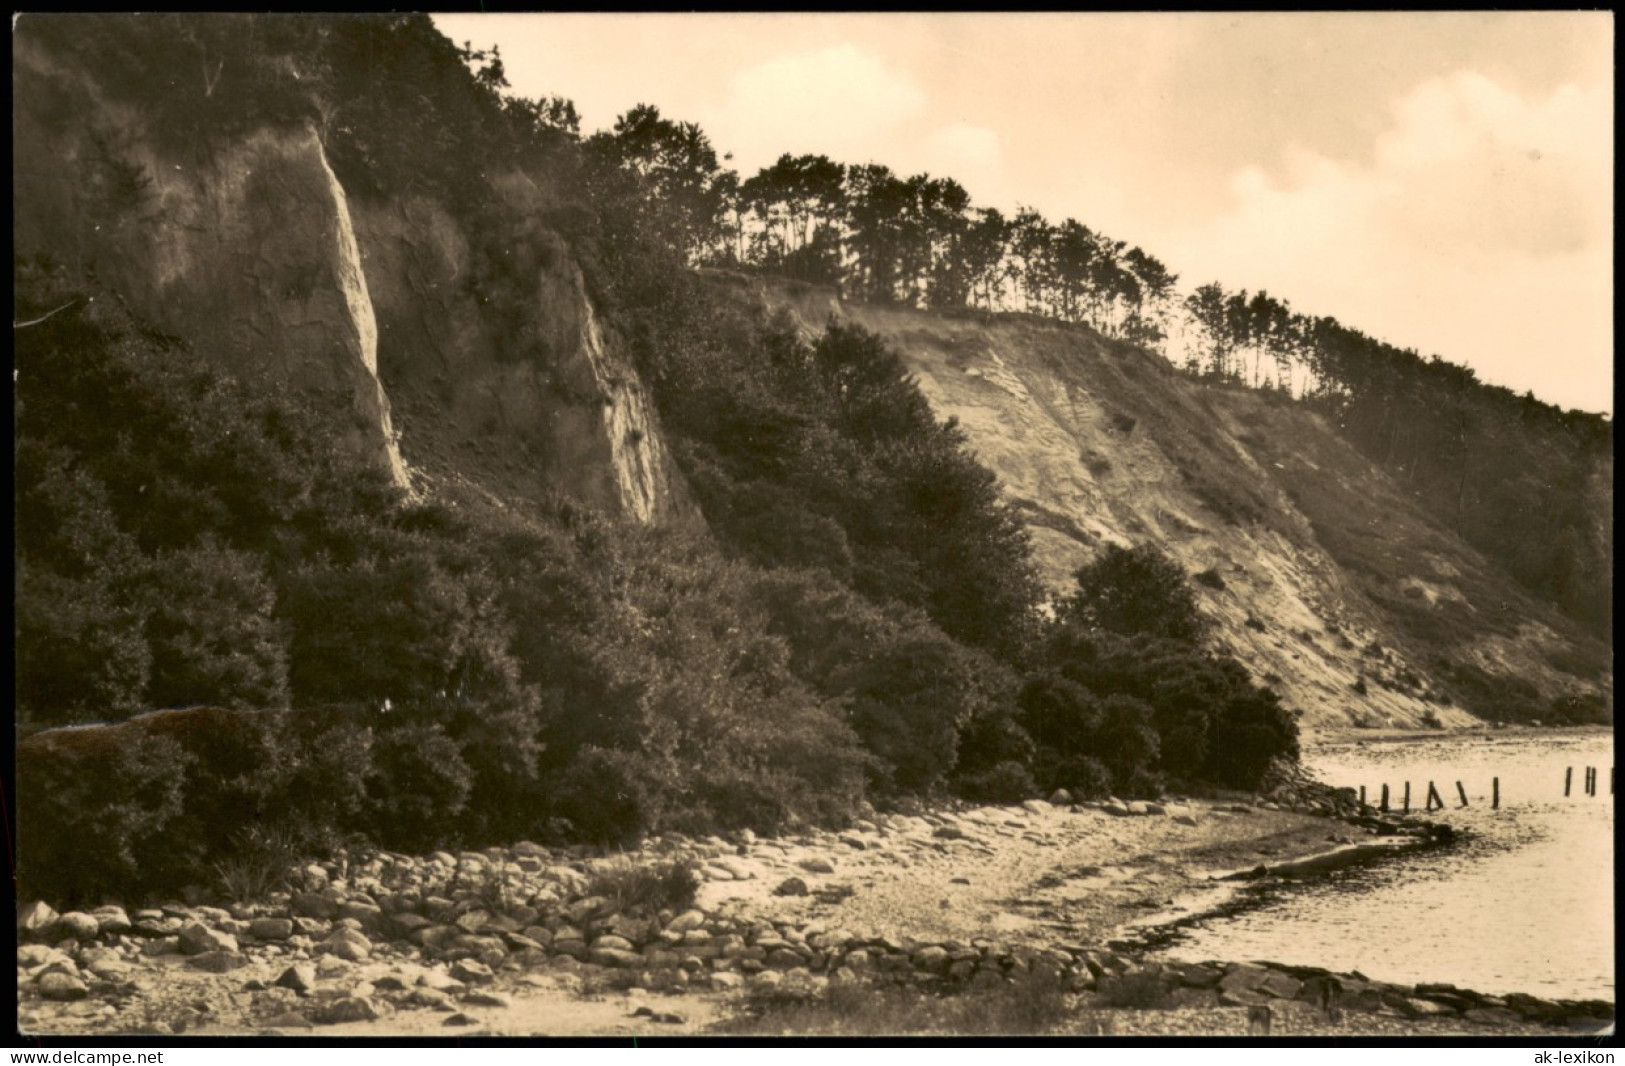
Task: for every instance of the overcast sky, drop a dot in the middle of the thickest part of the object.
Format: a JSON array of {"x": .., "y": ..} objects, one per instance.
[{"x": 1442, "y": 181}]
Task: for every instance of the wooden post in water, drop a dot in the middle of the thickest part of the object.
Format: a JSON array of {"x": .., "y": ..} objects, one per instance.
[
  {"x": 1495, "y": 793},
  {"x": 1407, "y": 807},
  {"x": 1362, "y": 797},
  {"x": 1384, "y": 799},
  {"x": 1434, "y": 797},
  {"x": 1462, "y": 792},
  {"x": 1591, "y": 780},
  {"x": 1568, "y": 779}
]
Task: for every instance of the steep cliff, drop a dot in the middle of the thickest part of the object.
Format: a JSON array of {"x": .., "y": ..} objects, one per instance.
[
  {"x": 1325, "y": 580},
  {"x": 464, "y": 342}
]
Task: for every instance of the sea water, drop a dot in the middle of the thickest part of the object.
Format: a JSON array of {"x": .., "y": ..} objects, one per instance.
[{"x": 1525, "y": 903}]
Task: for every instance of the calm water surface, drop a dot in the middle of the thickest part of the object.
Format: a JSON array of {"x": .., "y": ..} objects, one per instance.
[{"x": 1526, "y": 904}]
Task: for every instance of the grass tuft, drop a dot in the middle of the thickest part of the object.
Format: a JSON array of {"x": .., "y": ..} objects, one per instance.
[{"x": 646, "y": 886}]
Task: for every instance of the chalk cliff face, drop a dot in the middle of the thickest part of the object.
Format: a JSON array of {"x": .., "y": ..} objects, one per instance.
[
  {"x": 1321, "y": 576},
  {"x": 468, "y": 353}
]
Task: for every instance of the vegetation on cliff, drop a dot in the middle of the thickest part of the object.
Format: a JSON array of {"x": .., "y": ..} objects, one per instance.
[{"x": 860, "y": 620}]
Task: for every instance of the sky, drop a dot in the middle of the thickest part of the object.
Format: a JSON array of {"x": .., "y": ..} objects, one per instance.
[{"x": 1440, "y": 180}]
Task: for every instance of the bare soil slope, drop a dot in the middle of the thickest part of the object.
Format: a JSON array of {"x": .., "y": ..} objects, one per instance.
[{"x": 1325, "y": 579}]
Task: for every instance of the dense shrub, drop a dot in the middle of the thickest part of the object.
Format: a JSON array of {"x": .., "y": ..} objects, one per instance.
[
  {"x": 1132, "y": 591},
  {"x": 96, "y": 809},
  {"x": 1005, "y": 782}
]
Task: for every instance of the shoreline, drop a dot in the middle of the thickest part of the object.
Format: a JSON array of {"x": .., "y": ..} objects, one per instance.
[{"x": 959, "y": 896}]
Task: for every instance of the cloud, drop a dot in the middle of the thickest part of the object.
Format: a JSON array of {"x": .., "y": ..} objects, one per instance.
[
  {"x": 1479, "y": 228},
  {"x": 839, "y": 101},
  {"x": 972, "y": 155}
]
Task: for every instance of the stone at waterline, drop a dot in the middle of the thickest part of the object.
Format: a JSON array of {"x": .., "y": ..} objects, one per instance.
[
  {"x": 1280, "y": 985},
  {"x": 486, "y": 999},
  {"x": 288, "y": 1020},
  {"x": 791, "y": 886},
  {"x": 1240, "y": 997},
  {"x": 1413, "y": 1007},
  {"x": 460, "y": 1019},
  {"x": 347, "y": 1009},
  {"x": 817, "y": 866}
]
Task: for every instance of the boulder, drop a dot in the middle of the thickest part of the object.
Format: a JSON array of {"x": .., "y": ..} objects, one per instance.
[
  {"x": 471, "y": 972},
  {"x": 78, "y": 925},
  {"x": 349, "y": 945},
  {"x": 199, "y": 939},
  {"x": 440, "y": 982},
  {"x": 314, "y": 905},
  {"x": 370, "y": 917},
  {"x": 270, "y": 928},
  {"x": 301, "y": 977},
  {"x": 686, "y": 921},
  {"x": 405, "y": 923},
  {"x": 288, "y": 1019},
  {"x": 1280, "y": 985},
  {"x": 791, "y": 886},
  {"x": 35, "y": 919},
  {"x": 161, "y": 945},
  {"x": 115, "y": 970},
  {"x": 346, "y": 1009},
  {"x": 432, "y": 998},
  {"x": 111, "y": 920},
  {"x": 1496, "y": 1016},
  {"x": 218, "y": 961},
  {"x": 32, "y": 955},
  {"x": 472, "y": 921},
  {"x": 61, "y": 987},
  {"x": 817, "y": 866},
  {"x": 332, "y": 966},
  {"x": 1241, "y": 997},
  {"x": 1243, "y": 978},
  {"x": 1415, "y": 1007}
]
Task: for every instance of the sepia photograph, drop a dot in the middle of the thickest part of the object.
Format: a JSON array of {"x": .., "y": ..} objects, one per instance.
[{"x": 725, "y": 527}]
